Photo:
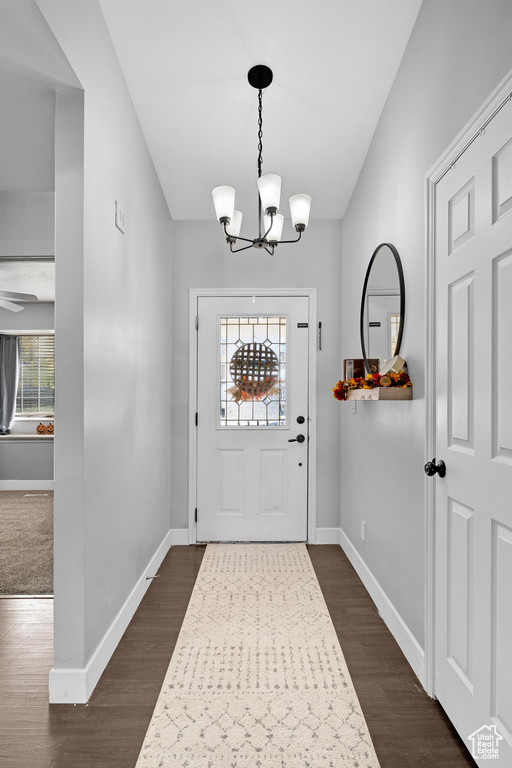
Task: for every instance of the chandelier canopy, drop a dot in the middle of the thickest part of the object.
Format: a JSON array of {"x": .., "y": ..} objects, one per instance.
[{"x": 270, "y": 222}]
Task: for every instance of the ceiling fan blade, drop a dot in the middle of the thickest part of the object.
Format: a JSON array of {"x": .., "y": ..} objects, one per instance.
[
  {"x": 18, "y": 296},
  {"x": 9, "y": 305}
]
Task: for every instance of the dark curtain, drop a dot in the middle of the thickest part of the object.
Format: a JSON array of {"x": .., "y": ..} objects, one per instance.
[{"x": 9, "y": 371}]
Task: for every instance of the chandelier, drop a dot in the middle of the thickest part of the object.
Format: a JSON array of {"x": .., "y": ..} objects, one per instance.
[{"x": 270, "y": 222}]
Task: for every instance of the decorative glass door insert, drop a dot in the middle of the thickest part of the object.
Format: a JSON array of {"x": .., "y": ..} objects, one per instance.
[
  {"x": 394, "y": 322},
  {"x": 253, "y": 371}
]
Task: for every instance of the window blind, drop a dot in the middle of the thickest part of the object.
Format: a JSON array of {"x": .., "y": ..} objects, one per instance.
[{"x": 36, "y": 383}]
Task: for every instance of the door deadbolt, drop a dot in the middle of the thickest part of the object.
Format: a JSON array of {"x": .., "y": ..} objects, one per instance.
[{"x": 300, "y": 419}]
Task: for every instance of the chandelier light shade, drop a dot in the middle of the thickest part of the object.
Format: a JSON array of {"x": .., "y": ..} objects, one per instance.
[
  {"x": 270, "y": 222},
  {"x": 235, "y": 225},
  {"x": 224, "y": 202},
  {"x": 274, "y": 226},
  {"x": 300, "y": 206},
  {"x": 269, "y": 187}
]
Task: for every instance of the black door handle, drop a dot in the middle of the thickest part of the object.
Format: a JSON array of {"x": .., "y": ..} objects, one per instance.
[
  {"x": 298, "y": 439},
  {"x": 431, "y": 468}
]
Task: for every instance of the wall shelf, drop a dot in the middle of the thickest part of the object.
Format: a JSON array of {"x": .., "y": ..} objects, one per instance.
[{"x": 381, "y": 393}]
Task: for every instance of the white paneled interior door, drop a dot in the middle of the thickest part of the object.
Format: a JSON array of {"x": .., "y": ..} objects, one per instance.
[
  {"x": 252, "y": 400},
  {"x": 473, "y": 548}
]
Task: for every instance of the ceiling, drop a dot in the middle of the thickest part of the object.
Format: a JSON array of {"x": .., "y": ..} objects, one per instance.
[{"x": 186, "y": 66}]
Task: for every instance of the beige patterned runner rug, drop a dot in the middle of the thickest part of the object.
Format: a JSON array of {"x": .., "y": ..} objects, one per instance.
[{"x": 257, "y": 678}]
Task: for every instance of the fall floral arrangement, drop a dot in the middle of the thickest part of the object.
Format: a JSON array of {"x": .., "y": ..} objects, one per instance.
[
  {"x": 239, "y": 394},
  {"x": 372, "y": 380}
]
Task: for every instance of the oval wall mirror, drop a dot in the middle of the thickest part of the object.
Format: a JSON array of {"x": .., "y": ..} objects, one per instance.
[{"x": 382, "y": 306}]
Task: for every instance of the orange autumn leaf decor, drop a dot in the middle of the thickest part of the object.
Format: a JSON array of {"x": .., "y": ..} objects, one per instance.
[{"x": 372, "y": 380}]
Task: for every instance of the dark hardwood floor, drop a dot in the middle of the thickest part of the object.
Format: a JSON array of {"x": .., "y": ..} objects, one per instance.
[
  {"x": 109, "y": 730},
  {"x": 408, "y": 729}
]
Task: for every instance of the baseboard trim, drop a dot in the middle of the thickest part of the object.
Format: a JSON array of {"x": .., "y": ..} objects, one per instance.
[
  {"x": 26, "y": 485},
  {"x": 75, "y": 686},
  {"x": 410, "y": 647},
  {"x": 179, "y": 537},
  {"x": 327, "y": 536}
]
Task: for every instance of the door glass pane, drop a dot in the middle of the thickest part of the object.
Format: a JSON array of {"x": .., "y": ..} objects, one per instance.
[
  {"x": 252, "y": 371},
  {"x": 395, "y": 325}
]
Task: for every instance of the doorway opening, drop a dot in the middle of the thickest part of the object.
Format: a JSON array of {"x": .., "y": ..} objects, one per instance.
[{"x": 252, "y": 430}]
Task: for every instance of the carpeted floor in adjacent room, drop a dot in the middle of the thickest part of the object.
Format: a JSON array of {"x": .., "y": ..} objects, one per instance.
[{"x": 26, "y": 542}]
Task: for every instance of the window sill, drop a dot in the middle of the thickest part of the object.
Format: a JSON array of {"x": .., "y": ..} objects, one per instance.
[
  {"x": 26, "y": 437},
  {"x": 42, "y": 417}
]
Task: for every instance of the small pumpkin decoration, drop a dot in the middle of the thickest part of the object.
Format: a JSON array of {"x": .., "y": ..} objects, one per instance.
[
  {"x": 41, "y": 428},
  {"x": 49, "y": 428}
]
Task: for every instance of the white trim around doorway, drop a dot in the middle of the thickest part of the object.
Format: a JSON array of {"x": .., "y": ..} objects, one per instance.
[
  {"x": 498, "y": 98},
  {"x": 195, "y": 293}
]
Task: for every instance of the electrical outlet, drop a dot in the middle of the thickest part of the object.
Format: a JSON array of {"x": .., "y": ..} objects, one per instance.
[
  {"x": 363, "y": 530},
  {"x": 119, "y": 220}
]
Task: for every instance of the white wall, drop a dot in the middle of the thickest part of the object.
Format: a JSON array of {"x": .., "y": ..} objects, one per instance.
[
  {"x": 27, "y": 222},
  {"x": 458, "y": 52},
  {"x": 34, "y": 317},
  {"x": 26, "y": 125},
  {"x": 112, "y": 501},
  {"x": 201, "y": 259}
]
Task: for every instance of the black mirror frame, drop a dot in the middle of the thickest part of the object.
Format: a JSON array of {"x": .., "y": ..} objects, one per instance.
[{"x": 402, "y": 300}]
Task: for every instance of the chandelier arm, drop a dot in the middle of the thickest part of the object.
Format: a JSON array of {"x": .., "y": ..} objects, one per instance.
[
  {"x": 291, "y": 241},
  {"x": 271, "y": 252},
  {"x": 246, "y": 239},
  {"x": 271, "y": 225},
  {"x": 239, "y": 249}
]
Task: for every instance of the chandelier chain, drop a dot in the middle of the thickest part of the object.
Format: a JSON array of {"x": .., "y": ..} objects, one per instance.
[{"x": 260, "y": 131}]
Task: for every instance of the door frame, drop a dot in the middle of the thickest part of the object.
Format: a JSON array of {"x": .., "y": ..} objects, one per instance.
[
  {"x": 470, "y": 133},
  {"x": 194, "y": 295}
]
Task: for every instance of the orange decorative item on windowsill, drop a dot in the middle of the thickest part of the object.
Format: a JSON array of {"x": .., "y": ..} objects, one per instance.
[
  {"x": 49, "y": 428},
  {"x": 41, "y": 428}
]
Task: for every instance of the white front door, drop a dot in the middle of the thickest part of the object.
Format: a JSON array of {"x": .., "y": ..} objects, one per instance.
[
  {"x": 252, "y": 400},
  {"x": 473, "y": 592}
]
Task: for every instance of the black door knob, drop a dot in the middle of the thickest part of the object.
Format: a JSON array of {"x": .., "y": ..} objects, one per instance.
[
  {"x": 298, "y": 439},
  {"x": 431, "y": 468}
]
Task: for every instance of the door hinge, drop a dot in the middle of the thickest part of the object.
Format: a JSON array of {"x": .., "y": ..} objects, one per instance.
[
  {"x": 197, "y": 419},
  {"x": 195, "y": 515},
  {"x": 197, "y": 322}
]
